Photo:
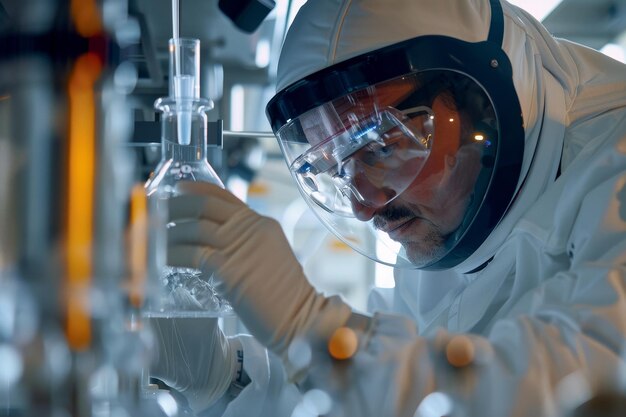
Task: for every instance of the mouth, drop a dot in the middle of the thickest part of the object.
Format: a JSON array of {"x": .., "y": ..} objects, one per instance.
[
  {"x": 391, "y": 228},
  {"x": 395, "y": 218}
]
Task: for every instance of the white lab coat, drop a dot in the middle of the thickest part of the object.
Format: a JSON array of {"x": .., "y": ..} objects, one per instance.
[{"x": 551, "y": 304}]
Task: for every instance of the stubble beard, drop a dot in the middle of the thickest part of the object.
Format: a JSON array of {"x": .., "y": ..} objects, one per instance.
[
  {"x": 428, "y": 249},
  {"x": 423, "y": 251}
]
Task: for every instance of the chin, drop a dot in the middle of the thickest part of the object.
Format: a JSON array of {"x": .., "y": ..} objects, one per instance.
[
  {"x": 424, "y": 253},
  {"x": 423, "y": 243}
]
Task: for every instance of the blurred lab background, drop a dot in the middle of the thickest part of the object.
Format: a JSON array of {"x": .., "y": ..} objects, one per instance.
[{"x": 79, "y": 136}]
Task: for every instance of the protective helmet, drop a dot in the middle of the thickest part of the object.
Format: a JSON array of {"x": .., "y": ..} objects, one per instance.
[{"x": 419, "y": 142}]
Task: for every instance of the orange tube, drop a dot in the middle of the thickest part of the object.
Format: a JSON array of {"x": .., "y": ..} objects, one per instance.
[
  {"x": 86, "y": 17},
  {"x": 138, "y": 244},
  {"x": 80, "y": 194}
]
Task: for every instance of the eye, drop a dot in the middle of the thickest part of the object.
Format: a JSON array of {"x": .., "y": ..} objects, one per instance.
[
  {"x": 385, "y": 151},
  {"x": 375, "y": 152}
]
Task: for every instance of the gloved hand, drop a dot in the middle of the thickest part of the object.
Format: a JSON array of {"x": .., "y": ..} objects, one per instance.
[
  {"x": 257, "y": 271},
  {"x": 194, "y": 357}
]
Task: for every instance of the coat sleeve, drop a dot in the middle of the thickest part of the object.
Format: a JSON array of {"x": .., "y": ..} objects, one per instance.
[{"x": 560, "y": 335}]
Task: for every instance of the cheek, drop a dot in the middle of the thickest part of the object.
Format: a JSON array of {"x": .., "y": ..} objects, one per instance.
[
  {"x": 436, "y": 202},
  {"x": 452, "y": 216},
  {"x": 422, "y": 196},
  {"x": 454, "y": 196}
]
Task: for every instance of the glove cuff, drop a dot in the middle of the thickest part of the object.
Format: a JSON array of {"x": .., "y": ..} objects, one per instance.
[
  {"x": 202, "y": 400},
  {"x": 239, "y": 378}
]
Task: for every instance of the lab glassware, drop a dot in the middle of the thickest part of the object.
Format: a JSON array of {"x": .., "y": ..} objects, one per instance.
[{"x": 175, "y": 291}]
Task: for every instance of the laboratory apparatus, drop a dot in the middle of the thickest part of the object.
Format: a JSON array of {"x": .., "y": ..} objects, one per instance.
[{"x": 175, "y": 291}]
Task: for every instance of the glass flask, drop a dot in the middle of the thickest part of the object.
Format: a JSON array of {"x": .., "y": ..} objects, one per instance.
[{"x": 174, "y": 291}]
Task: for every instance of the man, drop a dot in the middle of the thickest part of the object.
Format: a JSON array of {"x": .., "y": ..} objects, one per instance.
[{"x": 488, "y": 156}]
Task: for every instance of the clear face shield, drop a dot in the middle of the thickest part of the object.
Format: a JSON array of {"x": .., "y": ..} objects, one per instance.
[{"x": 396, "y": 169}]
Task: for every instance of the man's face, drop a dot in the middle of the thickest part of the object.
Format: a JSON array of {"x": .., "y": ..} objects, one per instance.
[{"x": 433, "y": 206}]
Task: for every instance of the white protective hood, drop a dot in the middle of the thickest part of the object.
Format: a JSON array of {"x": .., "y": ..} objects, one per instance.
[{"x": 582, "y": 82}]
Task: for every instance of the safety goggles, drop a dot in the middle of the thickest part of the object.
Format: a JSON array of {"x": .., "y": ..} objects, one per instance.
[{"x": 371, "y": 160}]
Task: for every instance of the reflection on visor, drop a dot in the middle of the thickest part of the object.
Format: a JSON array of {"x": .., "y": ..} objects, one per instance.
[{"x": 372, "y": 160}]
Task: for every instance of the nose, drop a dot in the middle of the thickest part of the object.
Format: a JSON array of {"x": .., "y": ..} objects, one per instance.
[
  {"x": 361, "y": 212},
  {"x": 366, "y": 198}
]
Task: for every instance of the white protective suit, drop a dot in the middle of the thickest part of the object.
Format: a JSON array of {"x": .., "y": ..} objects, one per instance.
[{"x": 552, "y": 301}]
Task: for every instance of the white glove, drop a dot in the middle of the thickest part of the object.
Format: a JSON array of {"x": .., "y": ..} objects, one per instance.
[
  {"x": 254, "y": 265},
  {"x": 194, "y": 357}
]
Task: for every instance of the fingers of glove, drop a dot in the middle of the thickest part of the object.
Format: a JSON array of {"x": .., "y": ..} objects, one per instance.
[
  {"x": 193, "y": 232},
  {"x": 194, "y": 206},
  {"x": 205, "y": 200},
  {"x": 206, "y": 188},
  {"x": 192, "y": 256}
]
